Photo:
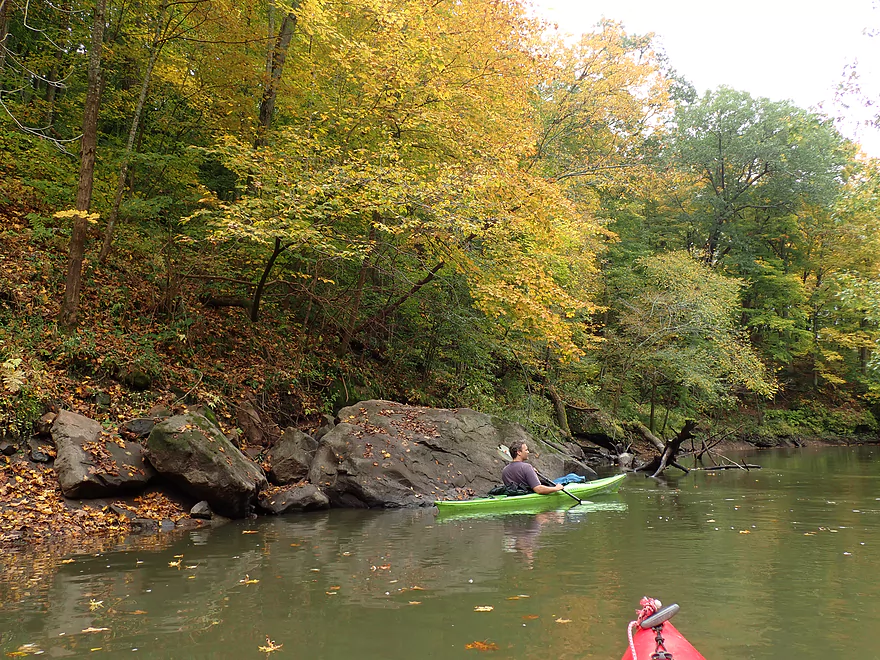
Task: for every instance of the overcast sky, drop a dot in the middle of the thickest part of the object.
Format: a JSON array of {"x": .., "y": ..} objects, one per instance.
[{"x": 781, "y": 49}]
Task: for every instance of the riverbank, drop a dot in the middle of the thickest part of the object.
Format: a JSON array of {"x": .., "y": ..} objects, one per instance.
[{"x": 146, "y": 347}]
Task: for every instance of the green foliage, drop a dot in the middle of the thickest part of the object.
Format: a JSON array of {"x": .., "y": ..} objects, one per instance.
[
  {"x": 460, "y": 210},
  {"x": 816, "y": 418}
]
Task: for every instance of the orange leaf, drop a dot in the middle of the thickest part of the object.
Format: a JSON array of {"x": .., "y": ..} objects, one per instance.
[{"x": 482, "y": 646}]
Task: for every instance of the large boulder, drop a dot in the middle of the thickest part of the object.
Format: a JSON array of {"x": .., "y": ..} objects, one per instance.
[
  {"x": 193, "y": 454},
  {"x": 289, "y": 499},
  {"x": 90, "y": 462},
  {"x": 291, "y": 457},
  {"x": 385, "y": 454}
]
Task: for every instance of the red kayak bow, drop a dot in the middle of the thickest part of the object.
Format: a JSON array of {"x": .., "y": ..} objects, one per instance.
[{"x": 655, "y": 638}]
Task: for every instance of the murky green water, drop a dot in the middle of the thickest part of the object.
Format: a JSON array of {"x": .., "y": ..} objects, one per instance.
[{"x": 778, "y": 563}]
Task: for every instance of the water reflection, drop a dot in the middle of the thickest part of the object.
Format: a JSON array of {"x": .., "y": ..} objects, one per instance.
[{"x": 754, "y": 559}]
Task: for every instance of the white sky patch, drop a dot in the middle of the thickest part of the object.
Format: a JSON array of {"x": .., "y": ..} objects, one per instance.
[{"x": 780, "y": 49}]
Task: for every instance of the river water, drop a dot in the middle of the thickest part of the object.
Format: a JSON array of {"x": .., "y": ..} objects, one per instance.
[{"x": 777, "y": 563}]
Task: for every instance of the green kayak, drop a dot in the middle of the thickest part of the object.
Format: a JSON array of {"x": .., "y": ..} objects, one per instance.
[{"x": 533, "y": 501}]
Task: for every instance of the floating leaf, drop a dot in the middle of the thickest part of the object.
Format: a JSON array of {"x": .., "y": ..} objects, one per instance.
[
  {"x": 270, "y": 647},
  {"x": 250, "y": 531},
  {"x": 560, "y": 620},
  {"x": 483, "y": 608},
  {"x": 247, "y": 580},
  {"x": 482, "y": 646},
  {"x": 93, "y": 630},
  {"x": 531, "y": 617},
  {"x": 95, "y": 604},
  {"x": 415, "y": 602}
]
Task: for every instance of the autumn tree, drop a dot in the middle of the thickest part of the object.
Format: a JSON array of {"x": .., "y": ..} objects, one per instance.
[
  {"x": 676, "y": 340},
  {"x": 70, "y": 305}
]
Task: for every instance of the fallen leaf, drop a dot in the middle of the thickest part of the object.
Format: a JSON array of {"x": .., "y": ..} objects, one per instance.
[{"x": 270, "y": 646}]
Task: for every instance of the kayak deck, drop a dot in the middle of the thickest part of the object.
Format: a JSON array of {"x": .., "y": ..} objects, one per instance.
[{"x": 533, "y": 500}]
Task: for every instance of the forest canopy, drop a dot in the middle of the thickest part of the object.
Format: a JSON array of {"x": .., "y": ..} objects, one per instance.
[{"x": 436, "y": 202}]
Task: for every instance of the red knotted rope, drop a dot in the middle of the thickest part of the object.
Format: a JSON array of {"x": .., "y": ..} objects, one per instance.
[{"x": 650, "y": 606}]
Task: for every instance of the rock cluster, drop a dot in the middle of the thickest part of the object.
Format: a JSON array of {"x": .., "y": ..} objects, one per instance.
[{"x": 375, "y": 454}]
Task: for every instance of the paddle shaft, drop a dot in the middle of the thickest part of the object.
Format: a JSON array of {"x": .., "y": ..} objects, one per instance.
[{"x": 550, "y": 481}]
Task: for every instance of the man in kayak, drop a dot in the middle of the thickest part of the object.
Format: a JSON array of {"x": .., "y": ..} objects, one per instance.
[{"x": 521, "y": 473}]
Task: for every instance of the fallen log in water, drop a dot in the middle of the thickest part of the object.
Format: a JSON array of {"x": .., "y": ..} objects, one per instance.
[{"x": 734, "y": 466}]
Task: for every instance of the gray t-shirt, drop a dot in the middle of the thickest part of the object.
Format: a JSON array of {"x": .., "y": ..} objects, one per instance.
[{"x": 520, "y": 473}]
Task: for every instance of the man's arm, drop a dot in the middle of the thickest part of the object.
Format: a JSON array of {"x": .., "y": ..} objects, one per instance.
[
  {"x": 536, "y": 485},
  {"x": 541, "y": 489}
]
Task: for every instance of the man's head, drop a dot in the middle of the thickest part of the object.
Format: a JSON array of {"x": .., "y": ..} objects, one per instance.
[{"x": 518, "y": 448}]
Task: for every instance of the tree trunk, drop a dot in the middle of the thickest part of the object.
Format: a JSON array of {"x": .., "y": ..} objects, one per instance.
[
  {"x": 70, "y": 306},
  {"x": 51, "y": 93},
  {"x": 4, "y": 31},
  {"x": 383, "y": 313},
  {"x": 155, "y": 48},
  {"x": 273, "y": 79},
  {"x": 669, "y": 450},
  {"x": 258, "y": 293},
  {"x": 558, "y": 407},
  {"x": 351, "y": 325}
]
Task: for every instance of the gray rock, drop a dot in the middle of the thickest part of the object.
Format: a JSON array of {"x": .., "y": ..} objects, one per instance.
[
  {"x": 92, "y": 463},
  {"x": 160, "y": 412},
  {"x": 625, "y": 461},
  {"x": 294, "y": 499},
  {"x": 193, "y": 454},
  {"x": 40, "y": 451},
  {"x": 7, "y": 448},
  {"x": 138, "y": 428},
  {"x": 145, "y": 525},
  {"x": 257, "y": 431},
  {"x": 166, "y": 525},
  {"x": 291, "y": 457},
  {"x": 201, "y": 510},
  {"x": 325, "y": 428},
  {"x": 102, "y": 400},
  {"x": 385, "y": 454},
  {"x": 44, "y": 425},
  {"x": 122, "y": 511},
  {"x": 575, "y": 466}
]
